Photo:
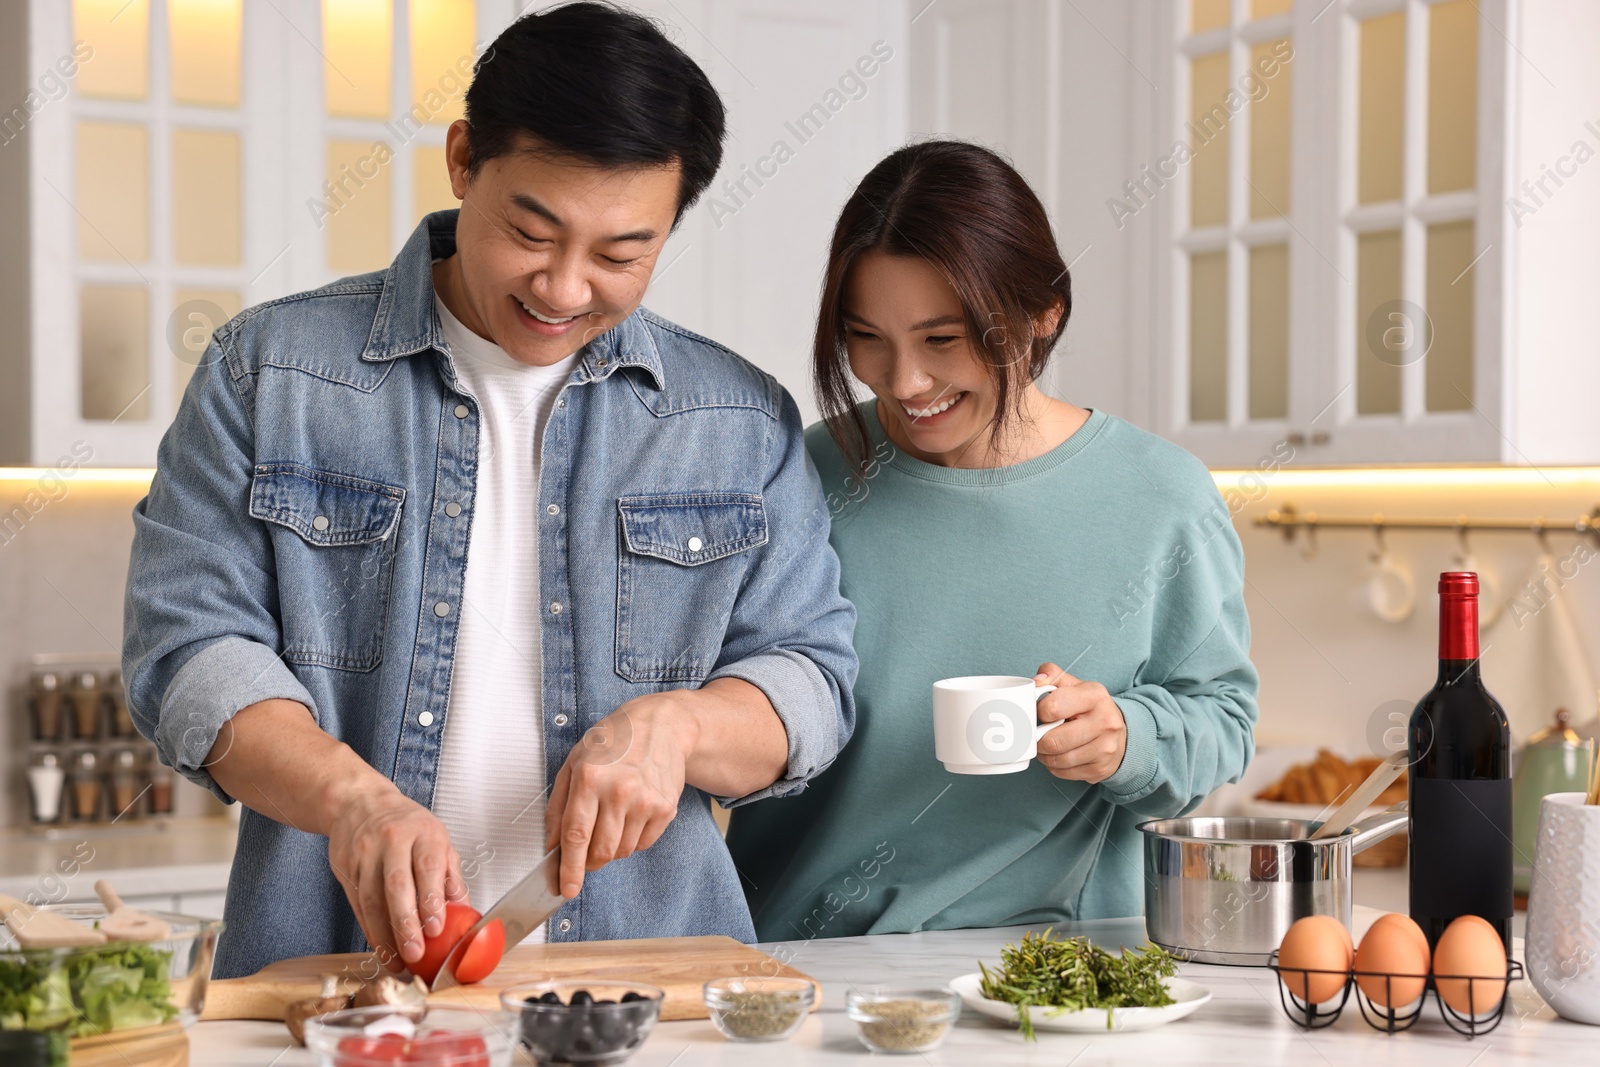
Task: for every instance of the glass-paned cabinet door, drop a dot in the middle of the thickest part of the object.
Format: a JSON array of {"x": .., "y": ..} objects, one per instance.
[
  {"x": 1329, "y": 257},
  {"x": 1226, "y": 203},
  {"x": 144, "y": 170},
  {"x": 1418, "y": 110},
  {"x": 393, "y": 75}
]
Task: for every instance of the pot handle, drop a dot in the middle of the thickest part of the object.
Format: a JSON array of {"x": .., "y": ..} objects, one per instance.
[{"x": 1375, "y": 828}]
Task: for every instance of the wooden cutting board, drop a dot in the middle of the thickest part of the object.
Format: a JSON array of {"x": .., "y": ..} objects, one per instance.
[
  {"x": 148, "y": 1046},
  {"x": 679, "y": 965}
]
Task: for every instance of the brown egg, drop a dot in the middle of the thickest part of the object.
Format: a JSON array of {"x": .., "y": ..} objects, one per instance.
[
  {"x": 1315, "y": 943},
  {"x": 1395, "y": 947},
  {"x": 1470, "y": 948}
]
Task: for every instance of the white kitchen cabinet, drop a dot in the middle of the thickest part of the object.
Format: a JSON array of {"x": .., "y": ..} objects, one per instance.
[
  {"x": 1397, "y": 305},
  {"x": 1221, "y": 299},
  {"x": 159, "y": 176}
]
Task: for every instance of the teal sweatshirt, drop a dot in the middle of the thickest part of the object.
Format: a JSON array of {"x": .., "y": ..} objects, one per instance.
[{"x": 1112, "y": 555}]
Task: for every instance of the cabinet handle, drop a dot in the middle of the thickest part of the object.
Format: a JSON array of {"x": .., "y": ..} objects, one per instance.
[
  {"x": 1296, "y": 438},
  {"x": 1320, "y": 438}
]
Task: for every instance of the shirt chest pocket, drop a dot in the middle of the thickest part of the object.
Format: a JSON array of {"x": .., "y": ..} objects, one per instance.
[
  {"x": 333, "y": 541},
  {"x": 680, "y": 564}
]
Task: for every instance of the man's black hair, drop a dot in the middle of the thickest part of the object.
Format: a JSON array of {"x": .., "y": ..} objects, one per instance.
[{"x": 597, "y": 83}]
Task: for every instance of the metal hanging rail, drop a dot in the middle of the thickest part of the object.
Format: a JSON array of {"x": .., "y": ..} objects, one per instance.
[{"x": 1290, "y": 520}]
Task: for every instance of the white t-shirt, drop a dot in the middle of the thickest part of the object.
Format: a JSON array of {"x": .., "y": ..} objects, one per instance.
[{"x": 490, "y": 792}]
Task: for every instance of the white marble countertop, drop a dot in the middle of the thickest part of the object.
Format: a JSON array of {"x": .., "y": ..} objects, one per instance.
[
  {"x": 1243, "y": 1023},
  {"x": 187, "y": 855}
]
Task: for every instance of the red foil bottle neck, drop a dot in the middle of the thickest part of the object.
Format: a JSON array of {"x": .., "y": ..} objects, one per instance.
[{"x": 1458, "y": 615}]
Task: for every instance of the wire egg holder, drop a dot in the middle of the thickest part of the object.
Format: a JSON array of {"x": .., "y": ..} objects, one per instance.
[{"x": 1390, "y": 1020}]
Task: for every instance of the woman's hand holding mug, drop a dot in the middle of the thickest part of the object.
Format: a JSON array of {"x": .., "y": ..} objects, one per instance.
[{"x": 1092, "y": 737}]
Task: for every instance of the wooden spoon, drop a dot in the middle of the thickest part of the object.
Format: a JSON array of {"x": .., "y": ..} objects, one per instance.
[
  {"x": 36, "y": 928},
  {"x": 123, "y": 923},
  {"x": 1348, "y": 812}
]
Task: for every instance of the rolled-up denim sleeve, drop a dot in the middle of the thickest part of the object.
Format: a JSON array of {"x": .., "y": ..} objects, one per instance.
[
  {"x": 201, "y": 638},
  {"x": 790, "y": 631}
]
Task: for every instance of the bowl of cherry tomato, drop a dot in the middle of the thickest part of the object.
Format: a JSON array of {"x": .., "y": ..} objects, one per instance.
[
  {"x": 584, "y": 1022},
  {"x": 412, "y": 1036}
]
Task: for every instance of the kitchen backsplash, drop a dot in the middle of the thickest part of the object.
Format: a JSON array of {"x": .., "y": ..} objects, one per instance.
[{"x": 1332, "y": 671}]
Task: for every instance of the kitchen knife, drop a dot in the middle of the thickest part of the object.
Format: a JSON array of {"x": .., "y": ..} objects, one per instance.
[{"x": 526, "y": 905}]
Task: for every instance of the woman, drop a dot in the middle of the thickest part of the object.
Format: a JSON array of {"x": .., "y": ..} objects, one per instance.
[{"x": 984, "y": 527}]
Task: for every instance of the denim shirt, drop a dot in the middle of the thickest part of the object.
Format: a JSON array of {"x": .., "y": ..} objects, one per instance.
[{"x": 306, "y": 537}]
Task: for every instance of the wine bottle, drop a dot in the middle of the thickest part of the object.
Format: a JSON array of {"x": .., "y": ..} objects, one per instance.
[{"x": 1459, "y": 747}]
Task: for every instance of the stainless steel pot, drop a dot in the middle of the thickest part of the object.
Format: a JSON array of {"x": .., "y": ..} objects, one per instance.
[{"x": 1225, "y": 890}]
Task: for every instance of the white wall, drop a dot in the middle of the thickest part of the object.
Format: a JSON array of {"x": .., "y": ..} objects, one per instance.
[
  {"x": 1556, "y": 317},
  {"x": 745, "y": 267},
  {"x": 1052, "y": 86}
]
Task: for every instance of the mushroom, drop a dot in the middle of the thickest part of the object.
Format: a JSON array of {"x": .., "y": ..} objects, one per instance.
[
  {"x": 330, "y": 999},
  {"x": 390, "y": 989}
]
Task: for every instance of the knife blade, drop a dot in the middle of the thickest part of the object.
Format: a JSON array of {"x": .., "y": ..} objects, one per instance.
[{"x": 524, "y": 907}]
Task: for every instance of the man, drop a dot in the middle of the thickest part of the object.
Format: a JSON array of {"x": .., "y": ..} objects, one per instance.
[{"x": 452, "y": 562}]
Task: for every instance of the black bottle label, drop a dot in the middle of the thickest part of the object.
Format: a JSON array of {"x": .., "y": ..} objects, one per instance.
[{"x": 1460, "y": 852}]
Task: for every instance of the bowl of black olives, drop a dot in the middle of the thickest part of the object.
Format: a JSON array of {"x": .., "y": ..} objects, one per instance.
[{"x": 581, "y": 1022}]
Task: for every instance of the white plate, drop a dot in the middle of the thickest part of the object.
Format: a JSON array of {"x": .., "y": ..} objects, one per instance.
[{"x": 1187, "y": 994}]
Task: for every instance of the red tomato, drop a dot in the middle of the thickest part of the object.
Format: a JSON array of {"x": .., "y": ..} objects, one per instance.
[
  {"x": 430, "y": 1048},
  {"x": 358, "y": 1051},
  {"x": 481, "y": 957}
]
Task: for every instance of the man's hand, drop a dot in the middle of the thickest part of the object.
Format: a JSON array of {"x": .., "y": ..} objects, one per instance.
[
  {"x": 390, "y": 854},
  {"x": 620, "y": 785},
  {"x": 1089, "y": 744},
  {"x": 395, "y": 861}
]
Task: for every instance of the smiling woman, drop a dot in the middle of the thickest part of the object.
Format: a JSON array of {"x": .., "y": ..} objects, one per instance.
[{"x": 1004, "y": 528}]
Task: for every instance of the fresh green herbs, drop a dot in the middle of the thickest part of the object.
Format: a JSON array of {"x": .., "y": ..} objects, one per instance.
[
  {"x": 91, "y": 991},
  {"x": 1070, "y": 974}
]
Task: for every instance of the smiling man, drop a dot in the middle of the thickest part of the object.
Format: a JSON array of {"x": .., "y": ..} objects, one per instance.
[{"x": 449, "y": 563}]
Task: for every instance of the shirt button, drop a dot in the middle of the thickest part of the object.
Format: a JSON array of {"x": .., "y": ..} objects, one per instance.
[
  {"x": 561, "y": 720},
  {"x": 555, "y": 608},
  {"x": 695, "y": 544},
  {"x": 452, "y": 509},
  {"x": 441, "y": 609},
  {"x": 320, "y": 522},
  {"x": 461, "y": 411},
  {"x": 425, "y": 719},
  {"x": 554, "y": 509},
  {"x": 564, "y": 925}
]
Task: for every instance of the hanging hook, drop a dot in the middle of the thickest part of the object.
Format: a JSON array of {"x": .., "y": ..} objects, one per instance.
[
  {"x": 1308, "y": 551},
  {"x": 1541, "y": 534},
  {"x": 1380, "y": 545},
  {"x": 1463, "y": 545}
]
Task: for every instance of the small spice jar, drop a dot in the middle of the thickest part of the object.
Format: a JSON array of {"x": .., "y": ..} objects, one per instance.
[
  {"x": 46, "y": 703},
  {"x": 160, "y": 788},
  {"x": 86, "y": 706},
  {"x": 759, "y": 1009},
  {"x": 117, "y": 698},
  {"x": 86, "y": 785},
  {"x": 902, "y": 1020},
  {"x": 126, "y": 787},
  {"x": 46, "y": 786}
]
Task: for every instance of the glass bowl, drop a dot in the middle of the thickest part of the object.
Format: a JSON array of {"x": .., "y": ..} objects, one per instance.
[
  {"x": 416, "y": 1034},
  {"x": 115, "y": 986},
  {"x": 612, "y": 1019},
  {"x": 902, "y": 1020},
  {"x": 759, "y": 1009}
]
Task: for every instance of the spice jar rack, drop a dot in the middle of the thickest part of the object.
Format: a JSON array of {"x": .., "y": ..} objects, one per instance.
[{"x": 84, "y": 762}]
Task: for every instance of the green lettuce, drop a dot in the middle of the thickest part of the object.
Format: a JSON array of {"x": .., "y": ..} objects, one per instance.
[{"x": 119, "y": 987}]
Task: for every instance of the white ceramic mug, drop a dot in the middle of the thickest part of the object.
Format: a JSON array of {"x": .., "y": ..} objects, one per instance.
[
  {"x": 1563, "y": 944},
  {"x": 988, "y": 723}
]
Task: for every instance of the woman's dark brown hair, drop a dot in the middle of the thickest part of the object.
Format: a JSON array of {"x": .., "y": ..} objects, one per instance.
[{"x": 968, "y": 212}]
